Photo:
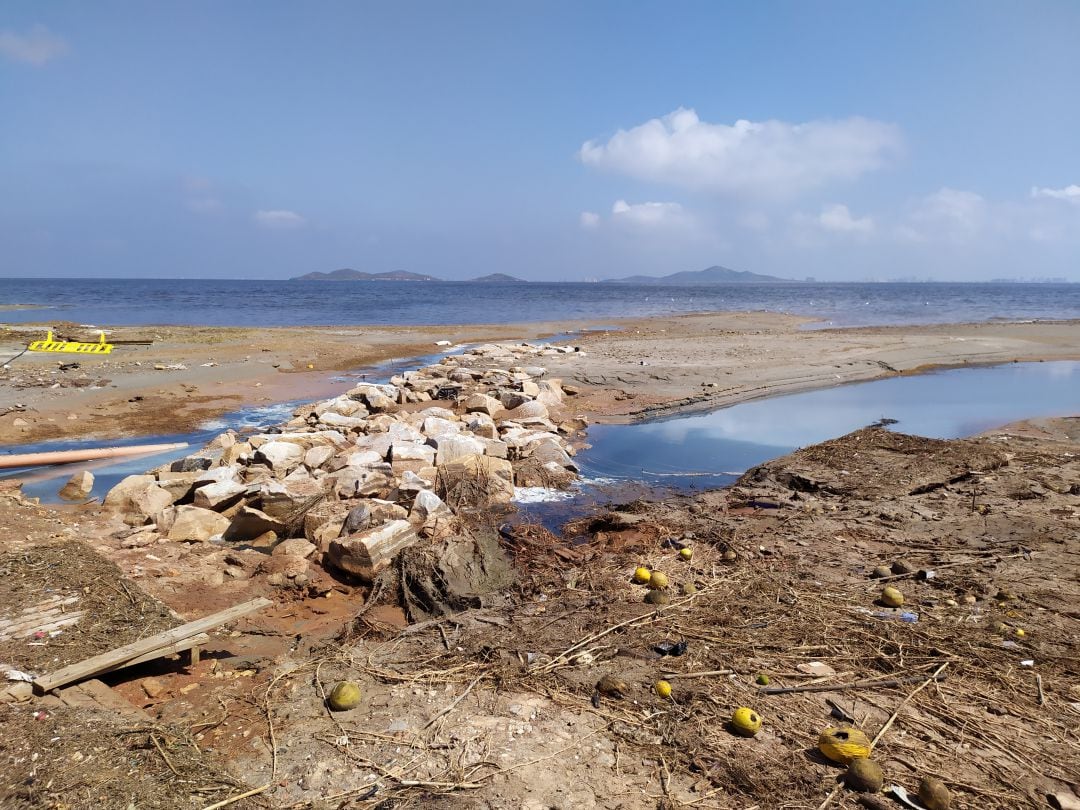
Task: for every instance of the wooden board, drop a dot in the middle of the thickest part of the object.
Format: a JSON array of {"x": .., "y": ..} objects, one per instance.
[{"x": 138, "y": 650}]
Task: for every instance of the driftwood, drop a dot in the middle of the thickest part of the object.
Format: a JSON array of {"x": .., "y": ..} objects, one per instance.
[
  {"x": 170, "y": 641},
  {"x": 88, "y": 454}
]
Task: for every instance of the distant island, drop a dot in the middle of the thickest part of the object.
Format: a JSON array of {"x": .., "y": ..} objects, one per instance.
[
  {"x": 499, "y": 278},
  {"x": 710, "y": 275},
  {"x": 360, "y": 275},
  {"x": 687, "y": 278}
]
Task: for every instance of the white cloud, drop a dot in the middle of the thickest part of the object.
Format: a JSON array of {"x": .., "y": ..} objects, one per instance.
[
  {"x": 589, "y": 220},
  {"x": 948, "y": 214},
  {"x": 279, "y": 219},
  {"x": 838, "y": 218},
  {"x": 770, "y": 158},
  {"x": 1069, "y": 193},
  {"x": 648, "y": 214},
  {"x": 36, "y": 47}
]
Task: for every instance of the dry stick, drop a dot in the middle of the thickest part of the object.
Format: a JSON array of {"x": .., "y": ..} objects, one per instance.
[
  {"x": 647, "y": 617},
  {"x": 453, "y": 705},
  {"x": 905, "y": 702},
  {"x": 838, "y": 687},
  {"x": 887, "y": 726},
  {"x": 594, "y": 637},
  {"x": 164, "y": 756},
  {"x": 237, "y": 798},
  {"x": 987, "y": 558}
]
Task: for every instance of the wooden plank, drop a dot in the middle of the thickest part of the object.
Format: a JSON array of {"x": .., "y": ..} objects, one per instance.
[
  {"x": 129, "y": 652},
  {"x": 192, "y": 642}
]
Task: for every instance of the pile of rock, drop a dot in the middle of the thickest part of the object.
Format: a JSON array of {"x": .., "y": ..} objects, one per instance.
[{"x": 354, "y": 480}]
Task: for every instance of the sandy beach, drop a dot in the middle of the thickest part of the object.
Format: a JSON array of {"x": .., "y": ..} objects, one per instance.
[{"x": 649, "y": 367}]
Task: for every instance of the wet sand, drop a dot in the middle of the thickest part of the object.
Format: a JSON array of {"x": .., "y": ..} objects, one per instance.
[{"x": 651, "y": 367}]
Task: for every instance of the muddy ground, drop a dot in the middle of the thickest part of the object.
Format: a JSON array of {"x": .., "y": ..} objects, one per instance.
[{"x": 495, "y": 705}]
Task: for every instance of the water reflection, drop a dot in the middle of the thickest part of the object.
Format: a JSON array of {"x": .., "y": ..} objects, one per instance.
[{"x": 944, "y": 404}]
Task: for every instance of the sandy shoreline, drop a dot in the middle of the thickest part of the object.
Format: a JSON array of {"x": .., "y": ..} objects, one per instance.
[
  {"x": 652, "y": 367},
  {"x": 530, "y": 644}
]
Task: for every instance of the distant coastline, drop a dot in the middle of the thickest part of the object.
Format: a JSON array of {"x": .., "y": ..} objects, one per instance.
[{"x": 710, "y": 275}]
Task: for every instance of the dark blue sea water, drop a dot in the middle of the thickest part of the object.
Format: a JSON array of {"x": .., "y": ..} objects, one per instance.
[{"x": 296, "y": 303}]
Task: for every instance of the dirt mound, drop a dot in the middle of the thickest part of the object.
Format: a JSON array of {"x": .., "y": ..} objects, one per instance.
[
  {"x": 464, "y": 570},
  {"x": 875, "y": 461}
]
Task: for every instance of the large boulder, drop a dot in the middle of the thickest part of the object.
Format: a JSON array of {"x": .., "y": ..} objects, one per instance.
[
  {"x": 366, "y": 553},
  {"x": 280, "y": 456},
  {"x": 219, "y": 496},
  {"x": 296, "y": 547},
  {"x": 337, "y": 420},
  {"x": 317, "y": 456},
  {"x": 375, "y": 397},
  {"x": 119, "y": 498},
  {"x": 343, "y": 405},
  {"x": 454, "y": 447},
  {"x": 354, "y": 482},
  {"x": 191, "y": 464},
  {"x": 411, "y": 451},
  {"x": 476, "y": 480},
  {"x": 323, "y": 514},
  {"x": 151, "y": 501},
  {"x": 428, "y": 509},
  {"x": 228, "y": 472},
  {"x": 482, "y": 403},
  {"x": 356, "y": 458},
  {"x": 178, "y": 484},
  {"x": 78, "y": 487},
  {"x": 250, "y": 523},
  {"x": 437, "y": 426},
  {"x": 283, "y": 500},
  {"x": 196, "y": 523},
  {"x": 482, "y": 425},
  {"x": 528, "y": 410}
]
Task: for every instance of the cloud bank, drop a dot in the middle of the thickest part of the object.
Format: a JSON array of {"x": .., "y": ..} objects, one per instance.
[
  {"x": 768, "y": 158},
  {"x": 279, "y": 219},
  {"x": 36, "y": 47},
  {"x": 1069, "y": 193}
]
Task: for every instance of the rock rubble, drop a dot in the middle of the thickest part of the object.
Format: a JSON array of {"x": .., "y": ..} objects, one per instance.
[{"x": 353, "y": 480}]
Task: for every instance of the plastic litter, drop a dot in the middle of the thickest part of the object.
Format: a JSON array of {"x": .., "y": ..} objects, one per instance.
[{"x": 672, "y": 648}]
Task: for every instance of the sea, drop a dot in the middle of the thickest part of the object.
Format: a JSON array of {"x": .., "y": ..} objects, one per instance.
[{"x": 207, "y": 302}]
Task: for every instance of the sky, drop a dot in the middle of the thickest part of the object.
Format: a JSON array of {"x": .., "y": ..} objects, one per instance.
[{"x": 551, "y": 141}]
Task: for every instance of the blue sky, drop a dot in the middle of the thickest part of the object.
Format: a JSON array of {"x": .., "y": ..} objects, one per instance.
[{"x": 547, "y": 140}]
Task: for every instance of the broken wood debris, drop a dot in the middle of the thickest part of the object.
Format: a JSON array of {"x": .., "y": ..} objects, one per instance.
[{"x": 179, "y": 638}]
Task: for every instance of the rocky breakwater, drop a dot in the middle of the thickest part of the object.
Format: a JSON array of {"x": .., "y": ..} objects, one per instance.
[{"x": 351, "y": 482}]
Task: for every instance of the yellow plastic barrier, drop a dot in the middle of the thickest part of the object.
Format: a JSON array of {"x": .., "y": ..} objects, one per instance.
[{"x": 50, "y": 344}]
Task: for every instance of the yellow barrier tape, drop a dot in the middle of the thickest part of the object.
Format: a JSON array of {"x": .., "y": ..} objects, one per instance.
[{"x": 50, "y": 344}]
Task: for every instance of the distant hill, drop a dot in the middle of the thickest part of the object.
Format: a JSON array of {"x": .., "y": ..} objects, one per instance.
[
  {"x": 359, "y": 275},
  {"x": 710, "y": 275},
  {"x": 499, "y": 278}
]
